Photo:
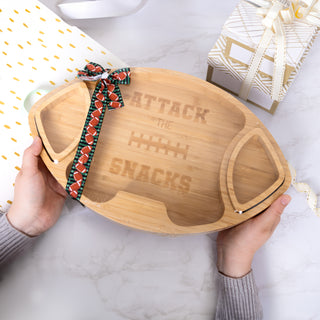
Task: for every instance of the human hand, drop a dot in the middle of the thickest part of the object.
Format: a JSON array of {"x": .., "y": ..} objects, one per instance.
[
  {"x": 38, "y": 197},
  {"x": 236, "y": 246}
]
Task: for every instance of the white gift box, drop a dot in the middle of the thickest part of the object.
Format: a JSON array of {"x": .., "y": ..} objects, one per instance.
[{"x": 230, "y": 58}]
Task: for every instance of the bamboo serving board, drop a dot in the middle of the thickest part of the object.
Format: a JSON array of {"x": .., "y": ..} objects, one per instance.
[{"x": 182, "y": 156}]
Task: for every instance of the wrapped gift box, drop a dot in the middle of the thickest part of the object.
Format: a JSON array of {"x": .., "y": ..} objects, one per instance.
[{"x": 232, "y": 54}]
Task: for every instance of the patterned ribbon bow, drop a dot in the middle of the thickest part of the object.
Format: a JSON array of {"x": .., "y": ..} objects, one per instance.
[
  {"x": 108, "y": 87},
  {"x": 106, "y": 94}
]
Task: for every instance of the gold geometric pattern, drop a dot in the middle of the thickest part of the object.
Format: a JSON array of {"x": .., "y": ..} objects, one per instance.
[{"x": 244, "y": 26}]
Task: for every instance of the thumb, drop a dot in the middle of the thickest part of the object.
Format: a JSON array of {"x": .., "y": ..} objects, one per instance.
[
  {"x": 31, "y": 156},
  {"x": 279, "y": 205},
  {"x": 271, "y": 217}
]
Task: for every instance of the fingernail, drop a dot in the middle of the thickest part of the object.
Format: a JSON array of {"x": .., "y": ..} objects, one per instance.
[{"x": 285, "y": 200}]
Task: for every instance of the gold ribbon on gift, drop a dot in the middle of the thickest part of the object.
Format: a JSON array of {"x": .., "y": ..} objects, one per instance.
[
  {"x": 275, "y": 14},
  {"x": 303, "y": 187}
]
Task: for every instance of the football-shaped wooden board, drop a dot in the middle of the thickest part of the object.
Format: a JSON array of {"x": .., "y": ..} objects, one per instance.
[{"x": 182, "y": 156}]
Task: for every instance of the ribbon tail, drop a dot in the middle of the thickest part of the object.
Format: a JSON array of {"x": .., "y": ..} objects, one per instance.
[
  {"x": 120, "y": 76},
  {"x": 115, "y": 104},
  {"x": 302, "y": 187},
  {"x": 279, "y": 61},
  {"x": 255, "y": 64},
  {"x": 87, "y": 144},
  {"x": 273, "y": 25}
]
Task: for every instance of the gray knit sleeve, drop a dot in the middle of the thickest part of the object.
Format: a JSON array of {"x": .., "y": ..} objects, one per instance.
[
  {"x": 238, "y": 299},
  {"x": 12, "y": 241}
]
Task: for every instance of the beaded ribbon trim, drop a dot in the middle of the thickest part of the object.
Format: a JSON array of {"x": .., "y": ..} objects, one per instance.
[{"x": 106, "y": 94}]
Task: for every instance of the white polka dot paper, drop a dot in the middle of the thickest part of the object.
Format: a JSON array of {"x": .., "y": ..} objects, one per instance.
[{"x": 38, "y": 52}]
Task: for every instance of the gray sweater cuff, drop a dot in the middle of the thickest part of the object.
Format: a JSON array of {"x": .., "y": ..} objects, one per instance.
[
  {"x": 238, "y": 298},
  {"x": 12, "y": 241}
]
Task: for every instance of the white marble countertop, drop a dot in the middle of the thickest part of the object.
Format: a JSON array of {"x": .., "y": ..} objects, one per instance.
[{"x": 90, "y": 268}]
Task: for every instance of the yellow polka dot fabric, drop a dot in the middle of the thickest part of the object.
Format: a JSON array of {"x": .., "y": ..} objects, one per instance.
[{"x": 38, "y": 51}]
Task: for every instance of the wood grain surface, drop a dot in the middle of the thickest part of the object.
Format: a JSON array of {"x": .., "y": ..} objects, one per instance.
[{"x": 182, "y": 156}]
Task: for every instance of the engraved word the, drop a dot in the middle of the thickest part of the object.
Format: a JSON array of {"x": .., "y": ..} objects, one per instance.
[{"x": 162, "y": 123}]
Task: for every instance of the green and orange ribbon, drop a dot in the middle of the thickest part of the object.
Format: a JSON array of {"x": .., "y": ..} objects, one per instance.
[{"x": 106, "y": 95}]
